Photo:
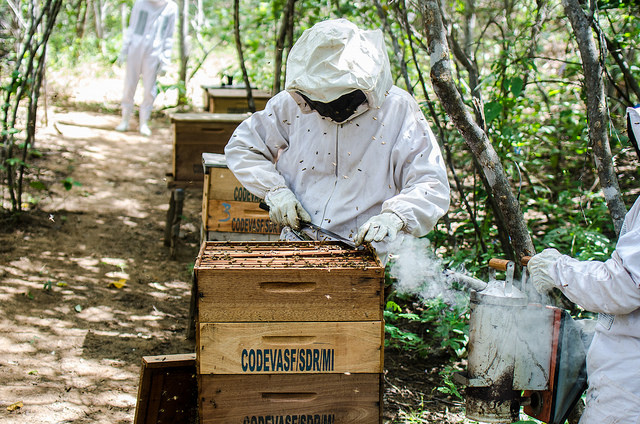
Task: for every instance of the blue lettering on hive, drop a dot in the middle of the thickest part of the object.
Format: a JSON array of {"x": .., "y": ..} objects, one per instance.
[
  {"x": 291, "y": 419},
  {"x": 287, "y": 360},
  {"x": 253, "y": 225},
  {"x": 241, "y": 194}
]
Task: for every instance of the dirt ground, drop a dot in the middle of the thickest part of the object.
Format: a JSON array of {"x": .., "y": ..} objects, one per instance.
[{"x": 71, "y": 334}]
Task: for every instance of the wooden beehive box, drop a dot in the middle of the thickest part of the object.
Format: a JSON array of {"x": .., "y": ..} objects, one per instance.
[
  {"x": 234, "y": 100},
  {"x": 228, "y": 209},
  {"x": 277, "y": 398},
  {"x": 289, "y": 329},
  {"x": 195, "y": 134},
  {"x": 287, "y": 281},
  {"x": 168, "y": 390}
]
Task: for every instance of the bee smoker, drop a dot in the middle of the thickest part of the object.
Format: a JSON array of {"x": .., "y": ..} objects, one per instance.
[{"x": 520, "y": 354}]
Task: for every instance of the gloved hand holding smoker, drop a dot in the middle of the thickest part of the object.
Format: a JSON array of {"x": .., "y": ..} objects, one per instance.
[
  {"x": 611, "y": 288},
  {"x": 342, "y": 147}
]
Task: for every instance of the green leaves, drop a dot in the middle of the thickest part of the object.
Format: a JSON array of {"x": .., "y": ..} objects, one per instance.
[
  {"x": 37, "y": 185},
  {"x": 69, "y": 183},
  {"x": 516, "y": 84},
  {"x": 491, "y": 111}
]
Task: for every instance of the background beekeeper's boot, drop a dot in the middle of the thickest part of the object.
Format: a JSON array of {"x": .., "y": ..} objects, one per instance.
[
  {"x": 124, "y": 124},
  {"x": 144, "y": 122},
  {"x": 144, "y": 129}
]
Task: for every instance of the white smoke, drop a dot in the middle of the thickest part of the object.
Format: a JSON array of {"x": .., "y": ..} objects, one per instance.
[{"x": 417, "y": 270}]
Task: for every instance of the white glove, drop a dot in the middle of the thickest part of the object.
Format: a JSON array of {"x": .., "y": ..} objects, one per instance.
[
  {"x": 378, "y": 227},
  {"x": 122, "y": 58},
  {"x": 285, "y": 209},
  {"x": 162, "y": 70},
  {"x": 539, "y": 266}
]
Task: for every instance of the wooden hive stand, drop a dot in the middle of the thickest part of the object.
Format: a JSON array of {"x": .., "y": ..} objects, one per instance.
[{"x": 289, "y": 332}]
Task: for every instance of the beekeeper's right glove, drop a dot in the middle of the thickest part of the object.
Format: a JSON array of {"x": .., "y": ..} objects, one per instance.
[
  {"x": 285, "y": 209},
  {"x": 539, "y": 270},
  {"x": 387, "y": 224}
]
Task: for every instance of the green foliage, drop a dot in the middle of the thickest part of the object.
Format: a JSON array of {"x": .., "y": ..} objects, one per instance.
[
  {"x": 449, "y": 387},
  {"x": 68, "y": 183},
  {"x": 434, "y": 324}
]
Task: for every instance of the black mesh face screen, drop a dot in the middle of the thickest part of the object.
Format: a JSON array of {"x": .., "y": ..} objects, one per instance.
[{"x": 340, "y": 109}]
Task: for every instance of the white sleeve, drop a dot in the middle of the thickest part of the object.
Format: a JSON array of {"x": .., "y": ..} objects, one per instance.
[
  {"x": 168, "y": 31},
  {"x": 628, "y": 247},
  {"x": 597, "y": 286},
  {"x": 252, "y": 151},
  {"x": 128, "y": 33},
  {"x": 420, "y": 171},
  {"x": 613, "y": 286}
]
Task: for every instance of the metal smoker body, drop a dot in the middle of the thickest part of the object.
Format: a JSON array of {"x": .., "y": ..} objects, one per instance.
[{"x": 519, "y": 354}]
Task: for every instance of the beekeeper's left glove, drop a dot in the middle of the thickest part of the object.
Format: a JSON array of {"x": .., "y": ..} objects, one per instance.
[
  {"x": 539, "y": 267},
  {"x": 122, "y": 57},
  {"x": 387, "y": 224}
]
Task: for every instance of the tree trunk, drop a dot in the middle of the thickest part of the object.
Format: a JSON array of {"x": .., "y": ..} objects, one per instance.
[
  {"x": 396, "y": 46},
  {"x": 245, "y": 75},
  {"x": 280, "y": 42},
  {"x": 596, "y": 111},
  {"x": 401, "y": 10},
  {"x": 97, "y": 14},
  {"x": 470, "y": 65},
  {"x": 30, "y": 63},
  {"x": 183, "y": 32},
  {"x": 473, "y": 135},
  {"x": 616, "y": 52},
  {"x": 81, "y": 8}
]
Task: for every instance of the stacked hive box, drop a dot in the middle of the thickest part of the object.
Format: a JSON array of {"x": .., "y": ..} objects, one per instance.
[
  {"x": 194, "y": 134},
  {"x": 229, "y": 211},
  {"x": 233, "y": 100},
  {"x": 289, "y": 332}
]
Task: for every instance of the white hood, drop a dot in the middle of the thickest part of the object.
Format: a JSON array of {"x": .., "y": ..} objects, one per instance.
[{"x": 334, "y": 58}]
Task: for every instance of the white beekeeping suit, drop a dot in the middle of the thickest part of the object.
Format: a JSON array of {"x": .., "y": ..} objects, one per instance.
[
  {"x": 342, "y": 147},
  {"x": 612, "y": 289},
  {"x": 147, "y": 50}
]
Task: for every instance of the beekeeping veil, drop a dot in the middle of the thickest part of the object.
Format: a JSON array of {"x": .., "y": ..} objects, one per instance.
[
  {"x": 334, "y": 59},
  {"x": 633, "y": 127}
]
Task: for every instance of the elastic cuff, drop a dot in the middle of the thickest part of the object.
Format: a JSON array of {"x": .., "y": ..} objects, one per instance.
[
  {"x": 274, "y": 190},
  {"x": 404, "y": 223}
]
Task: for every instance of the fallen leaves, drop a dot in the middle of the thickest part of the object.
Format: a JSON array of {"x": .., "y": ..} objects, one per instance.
[
  {"x": 118, "y": 284},
  {"x": 15, "y": 406}
]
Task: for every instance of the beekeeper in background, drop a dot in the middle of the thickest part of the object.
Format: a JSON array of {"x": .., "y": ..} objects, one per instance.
[
  {"x": 612, "y": 289},
  {"x": 147, "y": 51},
  {"x": 342, "y": 147}
]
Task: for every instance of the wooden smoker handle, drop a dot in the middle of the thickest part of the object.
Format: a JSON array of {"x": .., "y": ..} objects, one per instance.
[{"x": 501, "y": 264}]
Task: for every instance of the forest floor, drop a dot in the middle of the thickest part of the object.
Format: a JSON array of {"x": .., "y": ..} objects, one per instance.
[{"x": 72, "y": 337}]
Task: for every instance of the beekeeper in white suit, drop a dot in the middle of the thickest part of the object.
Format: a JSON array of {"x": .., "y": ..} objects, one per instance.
[
  {"x": 612, "y": 289},
  {"x": 342, "y": 147},
  {"x": 147, "y": 51}
]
